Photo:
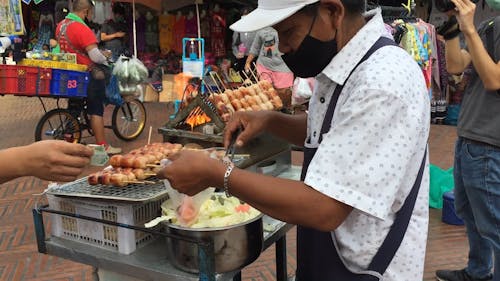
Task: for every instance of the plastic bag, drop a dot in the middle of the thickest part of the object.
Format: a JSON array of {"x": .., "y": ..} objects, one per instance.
[
  {"x": 302, "y": 90},
  {"x": 113, "y": 95},
  {"x": 441, "y": 181},
  {"x": 187, "y": 207}
]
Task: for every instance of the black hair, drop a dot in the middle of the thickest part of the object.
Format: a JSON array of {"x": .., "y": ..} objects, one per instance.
[
  {"x": 118, "y": 9},
  {"x": 352, "y": 7}
]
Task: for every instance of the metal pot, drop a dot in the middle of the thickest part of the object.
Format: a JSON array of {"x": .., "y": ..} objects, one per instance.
[{"x": 235, "y": 246}]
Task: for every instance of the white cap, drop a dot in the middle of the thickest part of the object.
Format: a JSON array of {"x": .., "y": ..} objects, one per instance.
[{"x": 269, "y": 13}]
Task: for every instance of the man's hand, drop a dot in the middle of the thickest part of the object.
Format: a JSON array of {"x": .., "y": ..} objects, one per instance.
[
  {"x": 464, "y": 12},
  {"x": 55, "y": 160},
  {"x": 252, "y": 124},
  {"x": 192, "y": 171},
  {"x": 120, "y": 34}
]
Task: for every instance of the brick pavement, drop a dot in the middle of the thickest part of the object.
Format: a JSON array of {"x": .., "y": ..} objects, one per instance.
[{"x": 19, "y": 260}]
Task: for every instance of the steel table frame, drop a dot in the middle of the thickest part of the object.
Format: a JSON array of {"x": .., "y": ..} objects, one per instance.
[{"x": 83, "y": 253}]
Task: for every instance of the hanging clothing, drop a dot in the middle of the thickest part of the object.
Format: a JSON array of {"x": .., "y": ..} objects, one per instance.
[
  {"x": 179, "y": 33},
  {"x": 151, "y": 34},
  {"x": 166, "y": 34},
  {"x": 45, "y": 31},
  {"x": 191, "y": 27},
  {"x": 205, "y": 32},
  {"x": 99, "y": 12},
  {"x": 140, "y": 27},
  {"x": 218, "y": 34}
]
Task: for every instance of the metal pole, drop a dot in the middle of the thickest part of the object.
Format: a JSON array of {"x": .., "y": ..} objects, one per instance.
[
  {"x": 39, "y": 231},
  {"x": 134, "y": 28},
  {"x": 281, "y": 274}
]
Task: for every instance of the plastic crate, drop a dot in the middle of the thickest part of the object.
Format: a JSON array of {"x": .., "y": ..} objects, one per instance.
[
  {"x": 69, "y": 83},
  {"x": 113, "y": 238},
  {"x": 24, "y": 80},
  {"x": 54, "y": 64}
]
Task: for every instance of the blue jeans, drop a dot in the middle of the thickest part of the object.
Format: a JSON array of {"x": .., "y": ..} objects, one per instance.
[{"x": 477, "y": 202}]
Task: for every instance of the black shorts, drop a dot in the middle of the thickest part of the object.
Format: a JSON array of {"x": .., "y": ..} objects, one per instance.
[{"x": 96, "y": 94}]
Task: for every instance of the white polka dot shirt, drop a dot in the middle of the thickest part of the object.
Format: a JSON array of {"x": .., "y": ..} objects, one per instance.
[{"x": 371, "y": 156}]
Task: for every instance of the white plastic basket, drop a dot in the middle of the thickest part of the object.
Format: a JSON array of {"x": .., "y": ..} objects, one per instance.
[{"x": 118, "y": 239}]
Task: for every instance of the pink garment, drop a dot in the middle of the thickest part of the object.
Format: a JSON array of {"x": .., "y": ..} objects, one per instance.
[{"x": 280, "y": 80}]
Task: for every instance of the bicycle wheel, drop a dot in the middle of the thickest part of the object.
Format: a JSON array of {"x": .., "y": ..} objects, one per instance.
[
  {"x": 129, "y": 120},
  {"x": 58, "y": 124}
]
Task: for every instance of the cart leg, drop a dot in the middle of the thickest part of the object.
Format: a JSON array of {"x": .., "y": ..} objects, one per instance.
[
  {"x": 237, "y": 277},
  {"x": 281, "y": 271},
  {"x": 39, "y": 231}
]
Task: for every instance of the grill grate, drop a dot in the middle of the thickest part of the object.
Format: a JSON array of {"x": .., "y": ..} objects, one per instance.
[{"x": 131, "y": 193}]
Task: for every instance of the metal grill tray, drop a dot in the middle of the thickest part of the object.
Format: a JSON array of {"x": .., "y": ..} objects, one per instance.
[{"x": 131, "y": 193}]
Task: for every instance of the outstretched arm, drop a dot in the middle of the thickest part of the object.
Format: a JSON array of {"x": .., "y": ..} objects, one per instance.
[{"x": 47, "y": 160}]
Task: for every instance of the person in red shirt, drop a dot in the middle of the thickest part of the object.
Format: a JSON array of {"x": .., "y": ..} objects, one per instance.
[{"x": 74, "y": 36}]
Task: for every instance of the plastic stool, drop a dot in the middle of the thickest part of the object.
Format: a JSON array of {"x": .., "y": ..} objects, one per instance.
[{"x": 449, "y": 216}]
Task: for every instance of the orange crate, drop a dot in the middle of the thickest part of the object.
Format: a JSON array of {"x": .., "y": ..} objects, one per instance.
[{"x": 24, "y": 80}]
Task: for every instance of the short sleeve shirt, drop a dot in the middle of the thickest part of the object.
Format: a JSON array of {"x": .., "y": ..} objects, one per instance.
[
  {"x": 371, "y": 156},
  {"x": 265, "y": 46},
  {"x": 80, "y": 36}
]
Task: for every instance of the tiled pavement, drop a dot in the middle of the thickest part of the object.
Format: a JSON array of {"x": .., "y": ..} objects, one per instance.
[{"x": 19, "y": 260}]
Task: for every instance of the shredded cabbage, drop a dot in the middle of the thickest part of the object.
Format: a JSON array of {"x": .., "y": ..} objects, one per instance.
[{"x": 218, "y": 211}]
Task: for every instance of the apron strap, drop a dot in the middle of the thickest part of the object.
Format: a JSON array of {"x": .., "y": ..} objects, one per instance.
[
  {"x": 327, "y": 122},
  {"x": 393, "y": 240}
]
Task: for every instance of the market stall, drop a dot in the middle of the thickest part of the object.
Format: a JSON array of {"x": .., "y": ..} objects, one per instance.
[{"x": 103, "y": 224}]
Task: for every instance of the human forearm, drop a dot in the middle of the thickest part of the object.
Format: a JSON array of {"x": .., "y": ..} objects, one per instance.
[
  {"x": 287, "y": 200},
  {"x": 12, "y": 163},
  {"x": 292, "y": 128},
  {"x": 107, "y": 37},
  {"x": 488, "y": 70},
  {"x": 250, "y": 58},
  {"x": 455, "y": 57}
]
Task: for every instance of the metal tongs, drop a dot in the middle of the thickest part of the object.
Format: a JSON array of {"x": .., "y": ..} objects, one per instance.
[{"x": 232, "y": 145}]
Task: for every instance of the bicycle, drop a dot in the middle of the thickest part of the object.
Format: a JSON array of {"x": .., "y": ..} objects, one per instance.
[{"x": 127, "y": 122}]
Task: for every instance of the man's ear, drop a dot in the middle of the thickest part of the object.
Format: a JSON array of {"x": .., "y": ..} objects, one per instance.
[{"x": 335, "y": 10}]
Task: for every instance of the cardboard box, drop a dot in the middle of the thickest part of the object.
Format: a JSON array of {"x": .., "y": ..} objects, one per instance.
[
  {"x": 167, "y": 94},
  {"x": 150, "y": 94}
]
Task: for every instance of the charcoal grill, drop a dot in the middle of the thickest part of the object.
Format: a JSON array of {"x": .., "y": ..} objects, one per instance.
[{"x": 268, "y": 154}]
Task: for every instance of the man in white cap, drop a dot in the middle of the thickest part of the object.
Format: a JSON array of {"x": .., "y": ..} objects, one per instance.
[{"x": 362, "y": 205}]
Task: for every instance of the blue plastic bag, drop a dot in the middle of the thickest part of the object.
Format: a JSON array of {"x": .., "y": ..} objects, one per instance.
[{"x": 113, "y": 95}]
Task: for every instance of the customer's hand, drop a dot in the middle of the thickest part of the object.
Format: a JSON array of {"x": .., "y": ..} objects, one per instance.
[
  {"x": 192, "y": 171},
  {"x": 251, "y": 123},
  {"x": 464, "y": 11},
  {"x": 55, "y": 160}
]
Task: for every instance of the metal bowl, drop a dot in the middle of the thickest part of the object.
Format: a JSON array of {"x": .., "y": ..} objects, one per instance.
[{"x": 235, "y": 246}]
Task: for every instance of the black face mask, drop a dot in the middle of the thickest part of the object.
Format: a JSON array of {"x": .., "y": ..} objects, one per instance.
[{"x": 312, "y": 56}]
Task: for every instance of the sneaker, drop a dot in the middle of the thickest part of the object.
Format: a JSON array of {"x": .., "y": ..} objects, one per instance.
[
  {"x": 458, "y": 275},
  {"x": 113, "y": 150}
]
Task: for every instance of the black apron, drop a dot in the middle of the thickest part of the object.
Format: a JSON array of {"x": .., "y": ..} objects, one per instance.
[{"x": 317, "y": 255}]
